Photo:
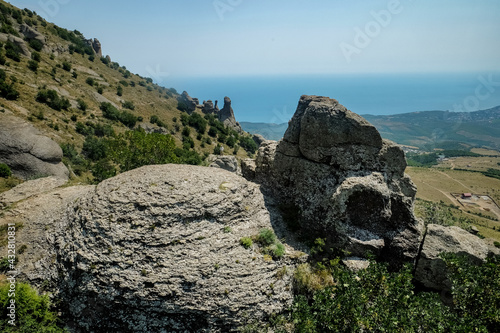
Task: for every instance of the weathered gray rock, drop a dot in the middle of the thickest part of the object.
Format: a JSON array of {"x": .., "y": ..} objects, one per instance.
[
  {"x": 31, "y": 33},
  {"x": 345, "y": 183},
  {"x": 258, "y": 139},
  {"x": 28, "y": 189},
  {"x": 208, "y": 107},
  {"x": 27, "y": 152},
  {"x": 431, "y": 270},
  {"x": 188, "y": 101},
  {"x": 226, "y": 116},
  {"x": 153, "y": 128},
  {"x": 96, "y": 46},
  {"x": 226, "y": 162},
  {"x": 156, "y": 249}
]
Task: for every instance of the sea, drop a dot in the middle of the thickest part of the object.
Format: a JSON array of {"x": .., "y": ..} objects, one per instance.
[{"x": 273, "y": 99}]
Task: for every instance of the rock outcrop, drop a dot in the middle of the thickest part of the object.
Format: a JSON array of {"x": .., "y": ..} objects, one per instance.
[
  {"x": 27, "y": 152},
  {"x": 157, "y": 249},
  {"x": 17, "y": 41},
  {"x": 226, "y": 116},
  {"x": 187, "y": 100},
  {"x": 31, "y": 33},
  {"x": 208, "y": 107},
  {"x": 341, "y": 181},
  {"x": 226, "y": 162},
  {"x": 431, "y": 270}
]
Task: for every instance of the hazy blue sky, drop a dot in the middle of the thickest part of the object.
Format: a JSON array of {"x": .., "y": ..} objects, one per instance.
[{"x": 161, "y": 38}]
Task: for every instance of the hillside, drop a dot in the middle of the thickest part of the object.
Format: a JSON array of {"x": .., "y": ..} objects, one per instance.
[
  {"x": 61, "y": 83},
  {"x": 426, "y": 130}
]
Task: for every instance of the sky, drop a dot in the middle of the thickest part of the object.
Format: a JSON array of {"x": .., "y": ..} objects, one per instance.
[{"x": 195, "y": 38}]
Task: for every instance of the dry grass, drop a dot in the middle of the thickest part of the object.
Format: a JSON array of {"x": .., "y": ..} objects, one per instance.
[{"x": 471, "y": 163}]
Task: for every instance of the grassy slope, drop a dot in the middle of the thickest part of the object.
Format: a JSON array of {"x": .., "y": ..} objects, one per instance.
[{"x": 149, "y": 100}]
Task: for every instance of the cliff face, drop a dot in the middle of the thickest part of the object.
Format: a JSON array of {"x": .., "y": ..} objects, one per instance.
[{"x": 333, "y": 171}]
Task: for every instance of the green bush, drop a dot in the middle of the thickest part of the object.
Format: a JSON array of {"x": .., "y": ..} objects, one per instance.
[
  {"x": 112, "y": 113},
  {"x": 128, "y": 105},
  {"x": 119, "y": 91},
  {"x": 36, "y": 44},
  {"x": 186, "y": 131},
  {"x": 36, "y": 56},
  {"x": 52, "y": 99},
  {"x": 90, "y": 81},
  {"x": 246, "y": 242},
  {"x": 33, "y": 65},
  {"x": 33, "y": 311},
  {"x": 81, "y": 104},
  {"x": 66, "y": 66},
  {"x": 102, "y": 170},
  {"x": 266, "y": 237},
  {"x": 372, "y": 300},
  {"x": 476, "y": 290},
  {"x": 197, "y": 122},
  {"x": 248, "y": 144},
  {"x": 12, "y": 51},
  {"x": 5, "y": 170},
  {"x": 7, "y": 91}
]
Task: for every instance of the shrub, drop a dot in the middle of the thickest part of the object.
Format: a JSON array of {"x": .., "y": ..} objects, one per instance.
[
  {"x": 95, "y": 149},
  {"x": 277, "y": 250},
  {"x": 105, "y": 60},
  {"x": 12, "y": 51},
  {"x": 81, "y": 104},
  {"x": 186, "y": 131},
  {"x": 128, "y": 105},
  {"x": 246, "y": 242},
  {"x": 52, "y": 99},
  {"x": 182, "y": 106},
  {"x": 266, "y": 237},
  {"x": 35, "y": 44},
  {"x": 66, "y": 66},
  {"x": 198, "y": 122},
  {"x": 33, "y": 311},
  {"x": 36, "y": 56},
  {"x": 33, "y": 65},
  {"x": 5, "y": 170},
  {"x": 119, "y": 91},
  {"x": 102, "y": 170},
  {"x": 90, "y": 81},
  {"x": 248, "y": 144}
]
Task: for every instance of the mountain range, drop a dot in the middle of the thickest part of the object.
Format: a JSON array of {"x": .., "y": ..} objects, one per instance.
[{"x": 424, "y": 129}]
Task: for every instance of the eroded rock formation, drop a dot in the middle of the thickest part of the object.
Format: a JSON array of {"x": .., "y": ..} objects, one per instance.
[
  {"x": 342, "y": 182},
  {"x": 190, "y": 103},
  {"x": 27, "y": 152},
  {"x": 226, "y": 116},
  {"x": 157, "y": 249}
]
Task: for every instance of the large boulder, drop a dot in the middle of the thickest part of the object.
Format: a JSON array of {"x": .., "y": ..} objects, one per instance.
[
  {"x": 17, "y": 41},
  {"x": 226, "y": 162},
  {"x": 27, "y": 151},
  {"x": 31, "y": 33},
  {"x": 157, "y": 249},
  {"x": 431, "y": 270},
  {"x": 341, "y": 181}
]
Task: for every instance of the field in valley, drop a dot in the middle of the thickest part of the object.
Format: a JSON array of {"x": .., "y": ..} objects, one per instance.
[{"x": 437, "y": 189}]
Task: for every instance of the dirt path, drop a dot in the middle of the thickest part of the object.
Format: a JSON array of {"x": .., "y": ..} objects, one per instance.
[
  {"x": 457, "y": 181},
  {"x": 448, "y": 195}
]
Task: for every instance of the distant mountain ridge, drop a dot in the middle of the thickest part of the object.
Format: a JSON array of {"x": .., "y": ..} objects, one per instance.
[{"x": 424, "y": 129}]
